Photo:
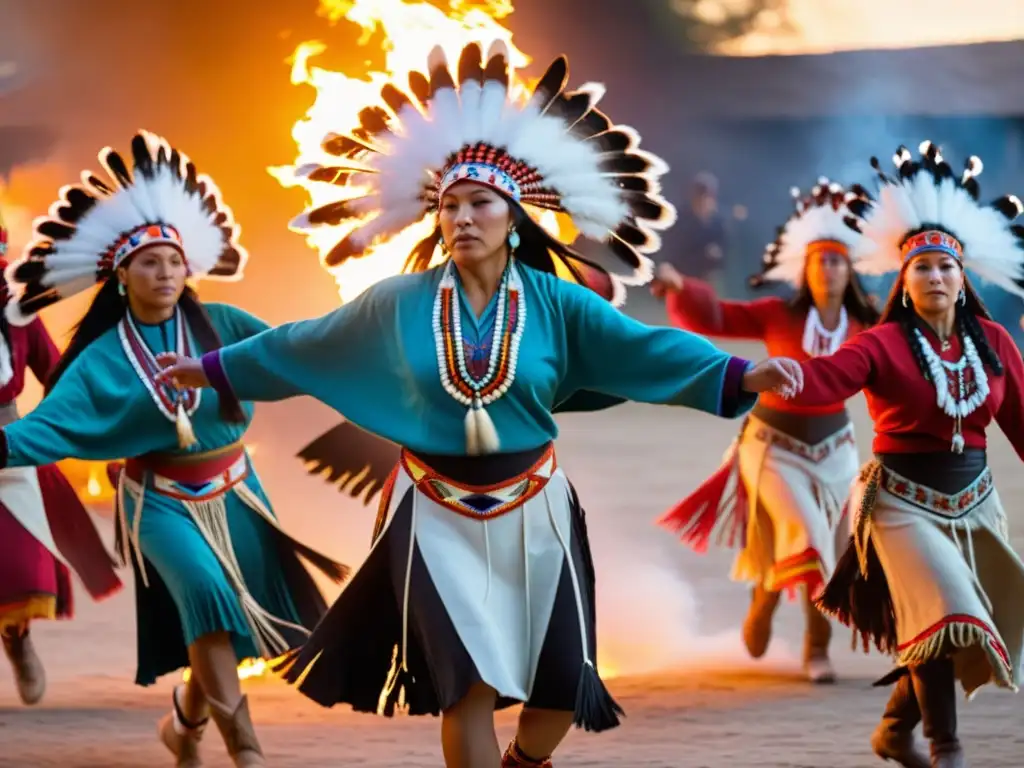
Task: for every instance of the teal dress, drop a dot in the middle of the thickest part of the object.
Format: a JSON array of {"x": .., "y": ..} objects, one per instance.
[
  {"x": 375, "y": 361},
  {"x": 101, "y": 410}
]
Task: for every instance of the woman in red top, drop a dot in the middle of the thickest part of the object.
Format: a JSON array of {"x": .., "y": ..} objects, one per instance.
[
  {"x": 782, "y": 487},
  {"x": 43, "y": 526},
  {"x": 930, "y": 576}
]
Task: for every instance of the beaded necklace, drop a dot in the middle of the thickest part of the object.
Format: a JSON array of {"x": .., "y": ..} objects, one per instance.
[
  {"x": 960, "y": 405},
  {"x": 476, "y": 394}
]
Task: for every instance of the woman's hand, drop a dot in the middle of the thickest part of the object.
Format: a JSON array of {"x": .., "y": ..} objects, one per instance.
[
  {"x": 182, "y": 372},
  {"x": 666, "y": 279},
  {"x": 781, "y": 375}
]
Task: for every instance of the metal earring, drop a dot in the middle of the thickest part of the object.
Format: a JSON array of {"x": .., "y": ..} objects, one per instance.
[
  {"x": 963, "y": 297},
  {"x": 121, "y": 289},
  {"x": 513, "y": 239},
  {"x": 905, "y": 302}
]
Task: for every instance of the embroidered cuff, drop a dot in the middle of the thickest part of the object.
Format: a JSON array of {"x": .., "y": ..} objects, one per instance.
[
  {"x": 733, "y": 399},
  {"x": 215, "y": 374}
]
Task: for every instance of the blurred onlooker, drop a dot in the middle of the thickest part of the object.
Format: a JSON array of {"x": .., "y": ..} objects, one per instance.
[{"x": 701, "y": 239}]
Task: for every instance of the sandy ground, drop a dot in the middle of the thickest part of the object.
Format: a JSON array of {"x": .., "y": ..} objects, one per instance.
[{"x": 669, "y": 628}]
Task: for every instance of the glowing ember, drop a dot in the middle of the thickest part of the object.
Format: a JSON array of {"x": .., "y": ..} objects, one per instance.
[
  {"x": 93, "y": 487},
  {"x": 247, "y": 669},
  {"x": 410, "y": 30}
]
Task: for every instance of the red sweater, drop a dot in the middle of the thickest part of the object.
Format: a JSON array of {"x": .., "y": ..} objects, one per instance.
[
  {"x": 770, "y": 320},
  {"x": 31, "y": 347},
  {"x": 902, "y": 403}
]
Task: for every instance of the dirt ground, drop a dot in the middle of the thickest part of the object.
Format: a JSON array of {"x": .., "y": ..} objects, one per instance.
[{"x": 669, "y": 624}]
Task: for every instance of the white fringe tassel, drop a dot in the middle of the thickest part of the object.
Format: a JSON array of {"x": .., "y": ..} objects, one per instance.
[
  {"x": 481, "y": 434},
  {"x": 186, "y": 435}
]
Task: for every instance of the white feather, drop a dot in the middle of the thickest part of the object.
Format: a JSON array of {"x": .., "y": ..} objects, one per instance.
[
  {"x": 71, "y": 267},
  {"x": 817, "y": 222}
]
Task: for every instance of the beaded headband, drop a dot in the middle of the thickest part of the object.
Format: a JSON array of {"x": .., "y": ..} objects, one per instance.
[
  {"x": 932, "y": 240},
  {"x": 138, "y": 238}
]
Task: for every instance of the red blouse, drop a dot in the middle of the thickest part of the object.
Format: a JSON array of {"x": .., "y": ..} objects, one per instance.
[
  {"x": 902, "y": 403},
  {"x": 770, "y": 320},
  {"x": 31, "y": 347}
]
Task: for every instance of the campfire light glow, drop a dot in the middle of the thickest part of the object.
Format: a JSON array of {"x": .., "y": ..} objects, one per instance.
[{"x": 410, "y": 31}]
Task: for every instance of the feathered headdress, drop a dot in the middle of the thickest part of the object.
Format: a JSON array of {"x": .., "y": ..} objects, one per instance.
[
  {"x": 98, "y": 224},
  {"x": 818, "y": 222},
  {"x": 555, "y": 152},
  {"x": 928, "y": 207}
]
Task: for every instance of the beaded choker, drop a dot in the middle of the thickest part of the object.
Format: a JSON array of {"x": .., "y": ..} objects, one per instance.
[{"x": 476, "y": 394}]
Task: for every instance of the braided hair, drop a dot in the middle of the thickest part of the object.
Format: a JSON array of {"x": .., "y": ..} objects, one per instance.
[{"x": 967, "y": 325}]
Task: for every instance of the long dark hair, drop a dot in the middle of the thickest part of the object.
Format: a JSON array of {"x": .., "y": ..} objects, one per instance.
[
  {"x": 536, "y": 249},
  {"x": 105, "y": 312},
  {"x": 966, "y": 324}
]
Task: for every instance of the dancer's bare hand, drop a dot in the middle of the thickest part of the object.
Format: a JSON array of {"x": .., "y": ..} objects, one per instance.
[
  {"x": 781, "y": 375},
  {"x": 666, "y": 279},
  {"x": 183, "y": 372}
]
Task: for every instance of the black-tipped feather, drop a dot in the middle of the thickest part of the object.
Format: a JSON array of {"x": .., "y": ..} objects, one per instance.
[
  {"x": 440, "y": 78},
  {"x": 332, "y": 214},
  {"x": 55, "y": 230},
  {"x": 622, "y": 164},
  {"x": 551, "y": 83},
  {"x": 373, "y": 120},
  {"x": 395, "y": 99},
  {"x": 419, "y": 85},
  {"x": 612, "y": 141},
  {"x": 118, "y": 168},
  {"x": 624, "y": 252},
  {"x": 497, "y": 70},
  {"x": 595, "y": 121},
  {"x": 470, "y": 64},
  {"x": 341, "y": 145}
]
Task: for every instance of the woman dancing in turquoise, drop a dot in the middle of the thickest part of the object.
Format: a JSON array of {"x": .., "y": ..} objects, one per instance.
[{"x": 217, "y": 580}]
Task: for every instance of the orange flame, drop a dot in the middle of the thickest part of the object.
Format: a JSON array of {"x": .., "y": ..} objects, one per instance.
[{"x": 410, "y": 30}]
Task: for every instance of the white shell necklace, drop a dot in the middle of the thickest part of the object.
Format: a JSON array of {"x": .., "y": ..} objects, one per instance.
[
  {"x": 960, "y": 406},
  {"x": 819, "y": 340},
  {"x": 475, "y": 394}
]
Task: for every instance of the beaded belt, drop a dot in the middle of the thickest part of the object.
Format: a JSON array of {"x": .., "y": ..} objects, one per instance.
[
  {"x": 816, "y": 453},
  {"x": 197, "y": 479},
  {"x": 480, "y": 502},
  {"x": 930, "y": 500}
]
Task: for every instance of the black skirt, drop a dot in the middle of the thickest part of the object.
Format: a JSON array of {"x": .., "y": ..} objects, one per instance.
[{"x": 354, "y": 656}]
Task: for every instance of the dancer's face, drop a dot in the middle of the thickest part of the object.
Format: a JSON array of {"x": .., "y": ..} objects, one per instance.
[
  {"x": 827, "y": 273},
  {"x": 154, "y": 278},
  {"x": 475, "y": 222},
  {"x": 933, "y": 280}
]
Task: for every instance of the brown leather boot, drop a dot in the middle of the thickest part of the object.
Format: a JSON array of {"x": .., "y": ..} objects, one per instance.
[
  {"x": 514, "y": 757},
  {"x": 181, "y": 735},
  {"x": 28, "y": 669},
  {"x": 935, "y": 688},
  {"x": 817, "y": 636},
  {"x": 238, "y": 732},
  {"x": 757, "y": 628},
  {"x": 893, "y": 739}
]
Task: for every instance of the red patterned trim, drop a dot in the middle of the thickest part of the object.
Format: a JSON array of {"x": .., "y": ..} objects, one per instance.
[
  {"x": 813, "y": 453},
  {"x": 955, "y": 505},
  {"x": 517, "y": 490},
  {"x": 804, "y": 568},
  {"x": 960, "y": 618}
]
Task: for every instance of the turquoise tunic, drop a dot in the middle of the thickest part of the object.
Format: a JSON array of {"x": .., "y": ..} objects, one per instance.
[
  {"x": 375, "y": 361},
  {"x": 101, "y": 410}
]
